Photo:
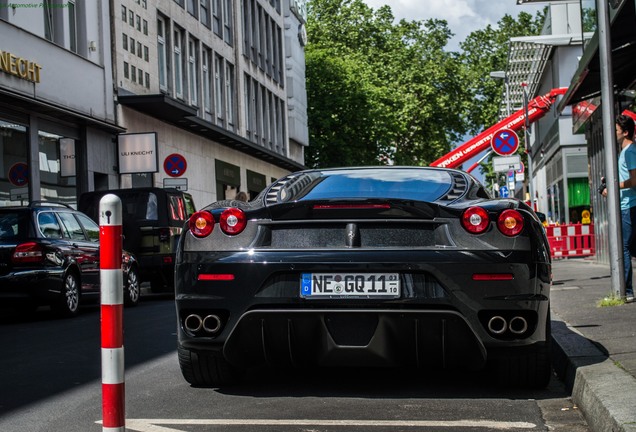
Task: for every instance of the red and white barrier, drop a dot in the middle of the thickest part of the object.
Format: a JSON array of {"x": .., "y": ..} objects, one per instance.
[
  {"x": 573, "y": 240},
  {"x": 112, "y": 301}
]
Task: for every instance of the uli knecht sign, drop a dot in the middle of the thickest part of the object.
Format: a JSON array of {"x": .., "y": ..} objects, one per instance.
[{"x": 137, "y": 153}]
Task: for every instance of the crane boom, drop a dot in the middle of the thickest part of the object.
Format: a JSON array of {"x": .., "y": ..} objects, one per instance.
[{"x": 537, "y": 108}]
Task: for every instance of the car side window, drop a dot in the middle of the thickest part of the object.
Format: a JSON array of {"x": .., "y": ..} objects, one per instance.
[
  {"x": 49, "y": 226},
  {"x": 92, "y": 229},
  {"x": 72, "y": 228}
]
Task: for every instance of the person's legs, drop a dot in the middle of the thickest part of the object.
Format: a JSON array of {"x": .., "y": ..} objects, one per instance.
[{"x": 626, "y": 219}]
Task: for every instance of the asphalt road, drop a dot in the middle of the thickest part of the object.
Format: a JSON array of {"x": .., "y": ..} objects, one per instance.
[{"x": 50, "y": 380}]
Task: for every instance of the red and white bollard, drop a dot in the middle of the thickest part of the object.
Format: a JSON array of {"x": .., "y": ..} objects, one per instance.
[{"x": 112, "y": 300}]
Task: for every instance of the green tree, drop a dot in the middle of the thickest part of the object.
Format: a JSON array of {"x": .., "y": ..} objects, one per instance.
[{"x": 378, "y": 91}]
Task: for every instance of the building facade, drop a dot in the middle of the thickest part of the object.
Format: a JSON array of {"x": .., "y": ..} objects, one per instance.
[
  {"x": 57, "y": 110},
  {"x": 202, "y": 95},
  {"x": 211, "y": 87}
]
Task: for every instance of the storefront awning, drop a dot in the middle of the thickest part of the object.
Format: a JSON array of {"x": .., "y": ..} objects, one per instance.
[
  {"x": 586, "y": 82},
  {"x": 172, "y": 111}
]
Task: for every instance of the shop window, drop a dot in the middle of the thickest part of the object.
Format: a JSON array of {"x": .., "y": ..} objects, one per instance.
[
  {"x": 13, "y": 152},
  {"x": 54, "y": 187}
]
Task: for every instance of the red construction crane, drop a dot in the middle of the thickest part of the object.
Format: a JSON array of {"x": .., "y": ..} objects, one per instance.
[{"x": 537, "y": 108}]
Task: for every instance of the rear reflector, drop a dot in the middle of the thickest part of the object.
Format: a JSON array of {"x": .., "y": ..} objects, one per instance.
[
  {"x": 167, "y": 260},
  {"x": 216, "y": 277},
  {"x": 350, "y": 206},
  {"x": 492, "y": 276}
]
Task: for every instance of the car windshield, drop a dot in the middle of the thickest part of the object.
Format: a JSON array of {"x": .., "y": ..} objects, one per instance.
[
  {"x": 13, "y": 225},
  {"x": 410, "y": 184}
]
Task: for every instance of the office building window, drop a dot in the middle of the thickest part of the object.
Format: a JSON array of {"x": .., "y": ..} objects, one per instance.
[
  {"x": 146, "y": 53},
  {"x": 161, "y": 54},
  {"x": 147, "y": 80},
  {"x": 229, "y": 93},
  {"x": 133, "y": 74},
  {"x": 206, "y": 77},
  {"x": 124, "y": 13},
  {"x": 48, "y": 21},
  {"x": 145, "y": 27},
  {"x": 216, "y": 16},
  {"x": 193, "y": 8},
  {"x": 139, "y": 53},
  {"x": 132, "y": 45},
  {"x": 131, "y": 18},
  {"x": 124, "y": 41},
  {"x": 179, "y": 2},
  {"x": 138, "y": 21},
  {"x": 126, "y": 70},
  {"x": 227, "y": 23},
  {"x": 192, "y": 72},
  {"x": 218, "y": 88},
  {"x": 205, "y": 13},
  {"x": 140, "y": 75},
  {"x": 178, "y": 65}
]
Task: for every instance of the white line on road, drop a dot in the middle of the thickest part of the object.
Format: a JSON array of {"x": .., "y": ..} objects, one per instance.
[{"x": 154, "y": 425}]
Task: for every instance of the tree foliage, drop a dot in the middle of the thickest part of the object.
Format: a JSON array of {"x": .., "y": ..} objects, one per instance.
[{"x": 381, "y": 91}]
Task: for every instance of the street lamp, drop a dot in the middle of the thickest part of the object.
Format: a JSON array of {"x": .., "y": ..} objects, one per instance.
[{"x": 504, "y": 76}]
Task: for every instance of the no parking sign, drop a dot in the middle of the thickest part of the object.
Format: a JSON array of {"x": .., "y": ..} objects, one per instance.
[
  {"x": 19, "y": 174},
  {"x": 505, "y": 142}
]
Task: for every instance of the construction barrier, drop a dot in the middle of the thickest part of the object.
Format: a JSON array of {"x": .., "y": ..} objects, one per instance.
[{"x": 573, "y": 240}]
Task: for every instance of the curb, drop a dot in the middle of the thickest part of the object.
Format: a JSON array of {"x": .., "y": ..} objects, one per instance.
[{"x": 604, "y": 392}]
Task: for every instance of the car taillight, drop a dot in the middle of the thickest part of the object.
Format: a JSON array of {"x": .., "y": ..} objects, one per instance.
[
  {"x": 201, "y": 224},
  {"x": 475, "y": 220},
  {"x": 232, "y": 221},
  {"x": 510, "y": 222},
  {"x": 30, "y": 252}
]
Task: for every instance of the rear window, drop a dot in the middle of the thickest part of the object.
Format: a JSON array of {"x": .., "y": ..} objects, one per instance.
[
  {"x": 408, "y": 184},
  {"x": 13, "y": 225}
]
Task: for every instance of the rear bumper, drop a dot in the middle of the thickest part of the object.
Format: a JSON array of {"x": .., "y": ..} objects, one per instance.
[
  {"x": 375, "y": 338},
  {"x": 441, "y": 316}
]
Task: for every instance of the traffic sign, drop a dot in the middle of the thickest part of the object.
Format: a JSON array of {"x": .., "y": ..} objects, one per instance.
[
  {"x": 522, "y": 169},
  {"x": 505, "y": 142},
  {"x": 503, "y": 191},
  {"x": 175, "y": 165},
  {"x": 504, "y": 163},
  {"x": 19, "y": 174}
]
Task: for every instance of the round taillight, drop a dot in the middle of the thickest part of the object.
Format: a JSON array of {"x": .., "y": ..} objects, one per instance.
[
  {"x": 510, "y": 222},
  {"x": 475, "y": 220},
  {"x": 232, "y": 221},
  {"x": 201, "y": 224}
]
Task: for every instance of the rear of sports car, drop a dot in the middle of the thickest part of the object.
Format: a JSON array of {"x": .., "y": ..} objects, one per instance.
[{"x": 382, "y": 267}]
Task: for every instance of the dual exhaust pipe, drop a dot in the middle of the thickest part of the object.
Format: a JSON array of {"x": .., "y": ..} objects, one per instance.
[
  {"x": 195, "y": 323},
  {"x": 498, "y": 325}
]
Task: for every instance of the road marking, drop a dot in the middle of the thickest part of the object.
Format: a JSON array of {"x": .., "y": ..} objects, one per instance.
[{"x": 159, "y": 425}]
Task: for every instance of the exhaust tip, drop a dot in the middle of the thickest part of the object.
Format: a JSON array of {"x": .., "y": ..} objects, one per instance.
[
  {"x": 212, "y": 323},
  {"x": 193, "y": 323},
  {"x": 518, "y": 325},
  {"x": 497, "y": 325}
]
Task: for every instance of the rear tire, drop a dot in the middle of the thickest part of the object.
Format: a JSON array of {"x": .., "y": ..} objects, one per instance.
[
  {"x": 203, "y": 369},
  {"x": 69, "y": 302}
]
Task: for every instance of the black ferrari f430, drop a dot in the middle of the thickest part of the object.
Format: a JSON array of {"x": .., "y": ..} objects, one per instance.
[{"x": 403, "y": 267}]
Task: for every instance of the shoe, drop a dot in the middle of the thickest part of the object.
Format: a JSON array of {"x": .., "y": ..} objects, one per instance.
[{"x": 629, "y": 298}]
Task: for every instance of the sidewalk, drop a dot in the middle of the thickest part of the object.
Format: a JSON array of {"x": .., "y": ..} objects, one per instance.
[{"x": 594, "y": 350}]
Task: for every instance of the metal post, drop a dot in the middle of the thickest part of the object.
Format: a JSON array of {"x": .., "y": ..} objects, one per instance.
[
  {"x": 112, "y": 299},
  {"x": 617, "y": 269},
  {"x": 527, "y": 143}
]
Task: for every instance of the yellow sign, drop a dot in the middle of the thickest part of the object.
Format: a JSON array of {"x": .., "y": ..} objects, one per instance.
[{"x": 20, "y": 67}]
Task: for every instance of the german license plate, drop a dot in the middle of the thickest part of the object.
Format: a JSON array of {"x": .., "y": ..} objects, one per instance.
[{"x": 350, "y": 285}]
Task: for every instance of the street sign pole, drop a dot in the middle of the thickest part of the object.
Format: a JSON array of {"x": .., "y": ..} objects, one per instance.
[{"x": 609, "y": 145}]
